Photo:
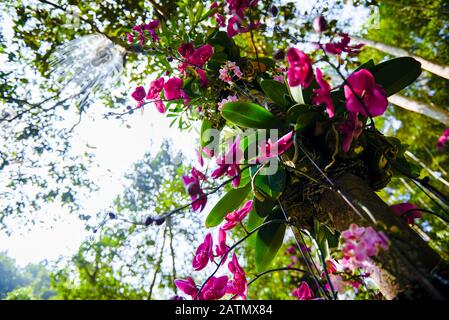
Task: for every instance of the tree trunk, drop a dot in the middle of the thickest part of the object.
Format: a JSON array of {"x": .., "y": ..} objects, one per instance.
[
  {"x": 410, "y": 269},
  {"x": 435, "y": 112},
  {"x": 439, "y": 70}
]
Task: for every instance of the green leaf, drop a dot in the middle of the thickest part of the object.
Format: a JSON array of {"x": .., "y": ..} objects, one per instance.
[
  {"x": 367, "y": 65},
  {"x": 228, "y": 203},
  {"x": 276, "y": 91},
  {"x": 272, "y": 185},
  {"x": 268, "y": 241},
  {"x": 396, "y": 74},
  {"x": 263, "y": 208},
  {"x": 205, "y": 138},
  {"x": 254, "y": 220},
  {"x": 295, "y": 111},
  {"x": 307, "y": 120},
  {"x": 250, "y": 115}
]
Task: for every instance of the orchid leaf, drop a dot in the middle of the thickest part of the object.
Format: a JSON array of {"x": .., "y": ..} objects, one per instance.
[
  {"x": 228, "y": 203},
  {"x": 250, "y": 115},
  {"x": 268, "y": 241},
  {"x": 276, "y": 91}
]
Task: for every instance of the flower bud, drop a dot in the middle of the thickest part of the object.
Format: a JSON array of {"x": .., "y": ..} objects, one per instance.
[
  {"x": 149, "y": 221},
  {"x": 193, "y": 188},
  {"x": 279, "y": 55},
  {"x": 319, "y": 24},
  {"x": 159, "y": 220}
]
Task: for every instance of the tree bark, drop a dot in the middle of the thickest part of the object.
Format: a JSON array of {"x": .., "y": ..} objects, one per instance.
[
  {"x": 435, "y": 112},
  {"x": 410, "y": 269},
  {"x": 439, "y": 70}
]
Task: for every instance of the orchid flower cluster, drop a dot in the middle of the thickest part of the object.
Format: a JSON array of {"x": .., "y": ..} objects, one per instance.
[
  {"x": 289, "y": 94},
  {"x": 216, "y": 287}
]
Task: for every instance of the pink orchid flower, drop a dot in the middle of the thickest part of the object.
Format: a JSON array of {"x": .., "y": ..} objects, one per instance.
[
  {"x": 203, "y": 254},
  {"x": 228, "y": 99},
  {"x": 360, "y": 244},
  {"x": 228, "y": 70},
  {"x": 187, "y": 286},
  {"x": 354, "y": 232},
  {"x": 238, "y": 285},
  {"x": 150, "y": 27},
  {"x": 351, "y": 130},
  {"x": 173, "y": 90},
  {"x": 373, "y": 95},
  {"x": 303, "y": 292},
  {"x": 139, "y": 94},
  {"x": 195, "y": 58},
  {"x": 154, "y": 93},
  {"x": 341, "y": 46},
  {"x": 233, "y": 218},
  {"x": 442, "y": 140},
  {"x": 323, "y": 95},
  {"x": 274, "y": 149},
  {"x": 221, "y": 249},
  {"x": 407, "y": 211},
  {"x": 129, "y": 38},
  {"x": 193, "y": 188},
  {"x": 229, "y": 163},
  {"x": 300, "y": 71},
  {"x": 214, "y": 289}
]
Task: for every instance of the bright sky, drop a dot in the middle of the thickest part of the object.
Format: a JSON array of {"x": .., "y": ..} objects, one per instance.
[
  {"x": 117, "y": 148},
  {"x": 57, "y": 232}
]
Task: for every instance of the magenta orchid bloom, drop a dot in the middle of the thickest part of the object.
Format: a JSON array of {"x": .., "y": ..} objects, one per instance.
[
  {"x": 351, "y": 130},
  {"x": 195, "y": 58},
  {"x": 214, "y": 289},
  {"x": 303, "y": 292},
  {"x": 323, "y": 95},
  {"x": 373, "y": 95},
  {"x": 274, "y": 149},
  {"x": 221, "y": 249},
  {"x": 407, "y": 211},
  {"x": 237, "y": 9},
  {"x": 139, "y": 94},
  {"x": 150, "y": 27},
  {"x": 229, "y": 163},
  {"x": 193, "y": 188},
  {"x": 130, "y": 38},
  {"x": 338, "y": 48},
  {"x": 173, "y": 90},
  {"x": 233, "y": 218},
  {"x": 238, "y": 285},
  {"x": 187, "y": 286},
  {"x": 154, "y": 93},
  {"x": 300, "y": 71},
  {"x": 203, "y": 254},
  {"x": 442, "y": 140}
]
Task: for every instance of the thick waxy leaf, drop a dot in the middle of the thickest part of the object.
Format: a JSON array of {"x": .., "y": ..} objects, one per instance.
[
  {"x": 271, "y": 185},
  {"x": 396, "y": 74},
  {"x": 254, "y": 220},
  {"x": 230, "y": 201},
  {"x": 276, "y": 91},
  {"x": 268, "y": 241},
  {"x": 307, "y": 120},
  {"x": 250, "y": 115},
  {"x": 263, "y": 208},
  {"x": 205, "y": 137},
  {"x": 295, "y": 111},
  {"x": 222, "y": 39}
]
